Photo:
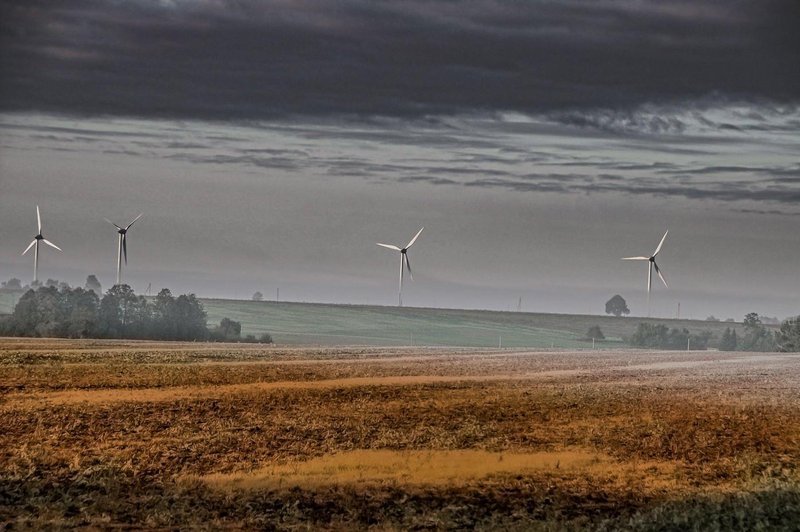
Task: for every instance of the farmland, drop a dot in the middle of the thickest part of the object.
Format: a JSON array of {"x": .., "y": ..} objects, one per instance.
[{"x": 109, "y": 434}]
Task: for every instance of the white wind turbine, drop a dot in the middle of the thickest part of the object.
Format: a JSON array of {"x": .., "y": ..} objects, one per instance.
[
  {"x": 652, "y": 264},
  {"x": 35, "y": 245},
  {"x": 404, "y": 263},
  {"x": 122, "y": 244}
]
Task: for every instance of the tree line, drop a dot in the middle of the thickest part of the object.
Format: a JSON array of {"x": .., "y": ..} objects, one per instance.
[
  {"x": 754, "y": 337},
  {"x": 757, "y": 337},
  {"x": 80, "y": 313}
]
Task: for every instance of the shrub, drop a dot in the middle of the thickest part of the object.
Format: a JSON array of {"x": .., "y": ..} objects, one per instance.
[{"x": 595, "y": 333}]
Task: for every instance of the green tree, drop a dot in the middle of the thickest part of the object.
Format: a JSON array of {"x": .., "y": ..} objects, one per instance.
[
  {"x": 788, "y": 338},
  {"x": 258, "y": 296},
  {"x": 119, "y": 312},
  {"x": 80, "y": 310},
  {"x": 751, "y": 320},
  {"x": 728, "y": 341},
  {"x": 756, "y": 336},
  {"x": 190, "y": 318},
  {"x": 617, "y": 306},
  {"x": 165, "y": 315}
]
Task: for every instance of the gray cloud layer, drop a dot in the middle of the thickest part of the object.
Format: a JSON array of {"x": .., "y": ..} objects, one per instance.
[
  {"x": 537, "y": 154},
  {"x": 260, "y": 59}
]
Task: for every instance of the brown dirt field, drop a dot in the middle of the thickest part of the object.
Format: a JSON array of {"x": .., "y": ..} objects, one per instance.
[{"x": 148, "y": 435}]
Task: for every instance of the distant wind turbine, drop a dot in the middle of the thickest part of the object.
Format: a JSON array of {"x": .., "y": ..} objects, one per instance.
[
  {"x": 122, "y": 245},
  {"x": 404, "y": 263},
  {"x": 652, "y": 260},
  {"x": 35, "y": 245}
]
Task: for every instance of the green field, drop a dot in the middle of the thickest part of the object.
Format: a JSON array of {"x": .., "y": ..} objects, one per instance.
[
  {"x": 311, "y": 323},
  {"x": 324, "y": 324}
]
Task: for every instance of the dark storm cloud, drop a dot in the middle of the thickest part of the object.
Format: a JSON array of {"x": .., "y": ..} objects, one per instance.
[
  {"x": 771, "y": 211},
  {"x": 260, "y": 59}
]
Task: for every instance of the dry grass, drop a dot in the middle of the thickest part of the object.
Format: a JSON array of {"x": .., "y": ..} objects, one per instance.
[
  {"x": 428, "y": 468},
  {"x": 105, "y": 435}
]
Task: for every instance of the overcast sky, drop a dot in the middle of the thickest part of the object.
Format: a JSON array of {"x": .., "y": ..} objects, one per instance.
[{"x": 272, "y": 143}]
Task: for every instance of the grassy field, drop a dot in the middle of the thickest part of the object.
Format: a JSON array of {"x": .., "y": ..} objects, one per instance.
[
  {"x": 308, "y": 324},
  {"x": 112, "y": 434}
]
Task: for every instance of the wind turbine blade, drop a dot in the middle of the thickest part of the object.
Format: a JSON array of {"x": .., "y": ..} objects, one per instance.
[
  {"x": 414, "y": 239},
  {"x": 660, "y": 244},
  {"x": 38, "y": 219},
  {"x": 134, "y": 221},
  {"x": 112, "y": 223},
  {"x": 636, "y": 258},
  {"x": 408, "y": 265},
  {"x": 389, "y": 246},
  {"x": 29, "y": 246},
  {"x": 658, "y": 271},
  {"x": 51, "y": 244},
  {"x": 125, "y": 248}
]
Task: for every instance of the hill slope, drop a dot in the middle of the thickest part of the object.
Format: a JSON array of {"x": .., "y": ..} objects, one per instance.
[{"x": 325, "y": 324}]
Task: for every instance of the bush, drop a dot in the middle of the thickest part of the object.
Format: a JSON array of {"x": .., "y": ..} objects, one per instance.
[
  {"x": 227, "y": 330},
  {"x": 594, "y": 333}
]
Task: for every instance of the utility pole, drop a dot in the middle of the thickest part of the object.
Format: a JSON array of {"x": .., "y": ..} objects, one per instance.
[
  {"x": 679, "y": 310},
  {"x": 277, "y": 295},
  {"x": 519, "y": 304}
]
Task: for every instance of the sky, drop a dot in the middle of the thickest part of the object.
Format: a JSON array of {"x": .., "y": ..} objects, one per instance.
[{"x": 271, "y": 144}]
